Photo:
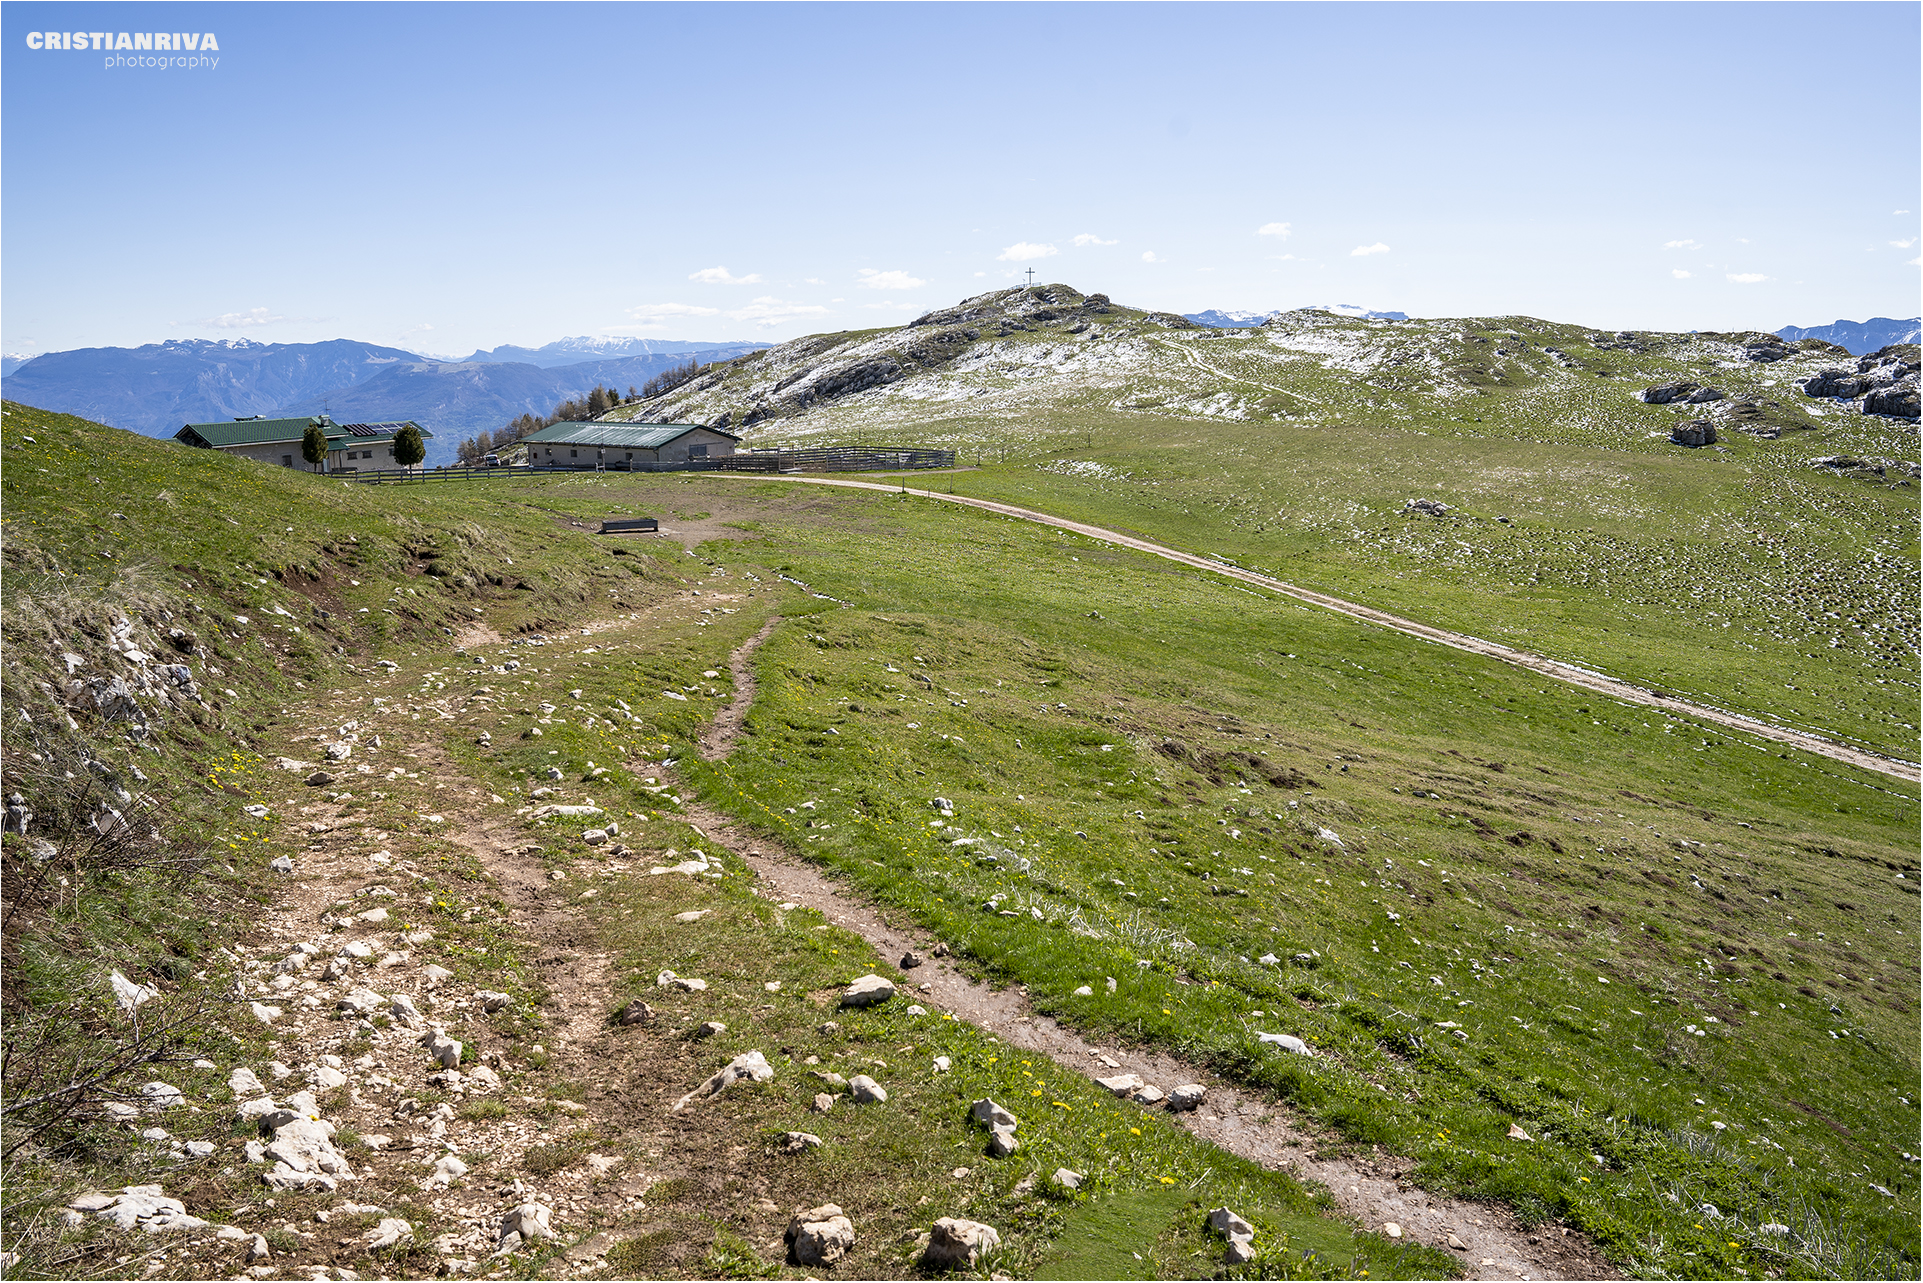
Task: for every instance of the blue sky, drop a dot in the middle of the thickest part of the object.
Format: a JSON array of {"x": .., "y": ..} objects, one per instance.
[{"x": 447, "y": 176}]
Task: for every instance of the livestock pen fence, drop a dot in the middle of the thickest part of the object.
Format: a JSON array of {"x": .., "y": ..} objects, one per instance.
[{"x": 820, "y": 459}]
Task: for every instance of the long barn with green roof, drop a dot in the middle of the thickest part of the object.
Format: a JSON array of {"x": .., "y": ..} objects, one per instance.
[
  {"x": 351, "y": 447},
  {"x": 631, "y": 447}
]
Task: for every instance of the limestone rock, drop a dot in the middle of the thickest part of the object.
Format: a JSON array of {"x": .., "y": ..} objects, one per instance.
[
  {"x": 243, "y": 1082},
  {"x": 1517, "y": 1133},
  {"x": 636, "y": 1013},
  {"x": 1693, "y": 433},
  {"x": 1228, "y": 1224},
  {"x": 1287, "y": 1042},
  {"x": 798, "y": 1142},
  {"x": 529, "y": 1221},
  {"x": 1186, "y": 1097},
  {"x": 955, "y": 1243},
  {"x": 910, "y": 960},
  {"x": 362, "y": 1002},
  {"x": 750, "y": 1066},
  {"x": 708, "y": 1029},
  {"x": 823, "y": 1103},
  {"x": 669, "y": 980},
  {"x": 1122, "y": 1084},
  {"x": 819, "y": 1236},
  {"x": 1067, "y": 1179},
  {"x": 445, "y": 1050},
  {"x": 403, "y": 1009},
  {"x": 143, "y": 1206},
  {"x": 1084, "y": 992},
  {"x": 390, "y": 1231},
  {"x": 492, "y": 1001},
  {"x": 867, "y": 991},
  {"x": 866, "y": 1091},
  {"x": 1666, "y": 393}
]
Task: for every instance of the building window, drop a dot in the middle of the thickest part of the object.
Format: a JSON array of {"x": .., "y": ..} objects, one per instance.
[
  {"x": 287, "y": 461},
  {"x": 697, "y": 452},
  {"x": 367, "y": 454},
  {"x": 573, "y": 453}
]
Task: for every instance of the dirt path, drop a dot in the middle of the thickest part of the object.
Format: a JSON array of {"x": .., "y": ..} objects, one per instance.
[
  {"x": 1557, "y": 670},
  {"x": 717, "y": 741},
  {"x": 1488, "y": 1240}
]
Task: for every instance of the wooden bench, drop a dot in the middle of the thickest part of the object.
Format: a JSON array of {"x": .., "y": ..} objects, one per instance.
[{"x": 628, "y": 525}]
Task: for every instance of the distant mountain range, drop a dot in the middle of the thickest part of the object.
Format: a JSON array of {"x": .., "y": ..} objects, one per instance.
[
  {"x": 1859, "y": 337},
  {"x": 156, "y": 388},
  {"x": 576, "y": 350},
  {"x": 1238, "y": 320}
]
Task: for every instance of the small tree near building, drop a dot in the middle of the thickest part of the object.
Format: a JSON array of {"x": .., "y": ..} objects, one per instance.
[
  {"x": 409, "y": 449},
  {"x": 313, "y": 446}
]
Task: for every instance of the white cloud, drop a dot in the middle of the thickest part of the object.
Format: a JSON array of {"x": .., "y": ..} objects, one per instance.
[
  {"x": 810, "y": 280},
  {"x": 1746, "y": 278},
  {"x": 720, "y": 276},
  {"x": 1283, "y": 258},
  {"x": 241, "y": 320},
  {"x": 1089, "y": 238},
  {"x": 981, "y": 273},
  {"x": 1685, "y": 244},
  {"x": 873, "y": 280},
  {"x": 1148, "y": 256},
  {"x": 1679, "y": 273},
  {"x": 657, "y": 311},
  {"x": 1904, "y": 244},
  {"x": 887, "y": 306},
  {"x": 1273, "y": 229},
  {"x": 768, "y": 311},
  {"x": 1363, "y": 251},
  {"x": 1742, "y": 240},
  {"x": 1915, "y": 262},
  {"x": 1899, "y": 211},
  {"x": 1022, "y": 251}
]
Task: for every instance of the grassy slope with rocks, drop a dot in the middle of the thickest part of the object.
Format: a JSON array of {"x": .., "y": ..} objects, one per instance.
[
  {"x": 1699, "y": 873},
  {"x": 435, "y": 831},
  {"x": 1741, "y": 575}
]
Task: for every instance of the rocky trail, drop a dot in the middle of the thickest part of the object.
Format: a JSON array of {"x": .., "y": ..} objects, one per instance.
[{"x": 385, "y": 1146}]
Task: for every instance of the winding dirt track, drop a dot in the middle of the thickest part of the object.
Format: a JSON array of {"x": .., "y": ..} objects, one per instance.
[
  {"x": 1488, "y": 1240},
  {"x": 1557, "y": 670}
]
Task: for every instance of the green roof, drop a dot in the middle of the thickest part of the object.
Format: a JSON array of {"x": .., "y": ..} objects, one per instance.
[
  {"x": 229, "y": 433},
  {"x": 620, "y": 436}
]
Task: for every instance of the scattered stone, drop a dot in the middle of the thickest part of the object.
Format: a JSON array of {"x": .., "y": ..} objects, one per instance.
[
  {"x": 1434, "y": 507},
  {"x": 867, "y": 991},
  {"x": 1391, "y": 1229},
  {"x": 916, "y": 1009},
  {"x": 338, "y": 751},
  {"x": 1067, "y": 1179},
  {"x": 257, "y": 1251},
  {"x": 1001, "y": 1127},
  {"x": 636, "y": 1012},
  {"x": 866, "y": 1091},
  {"x": 1456, "y": 1243},
  {"x": 1693, "y": 433},
  {"x": 492, "y": 1002},
  {"x": 1517, "y": 1133},
  {"x": 303, "y": 1152},
  {"x": 1084, "y": 992},
  {"x": 1775, "y": 1229},
  {"x": 910, "y": 960},
  {"x": 127, "y": 994},
  {"x": 595, "y": 837},
  {"x": 955, "y": 1243},
  {"x": 819, "y": 1236},
  {"x": 1149, "y": 1095},
  {"x": 668, "y": 980},
  {"x": 448, "y": 1168},
  {"x": 798, "y": 1142},
  {"x": 436, "y": 974},
  {"x": 828, "y": 1028},
  {"x": 943, "y": 1064},
  {"x": 1186, "y": 1097},
  {"x": 749, "y": 1066},
  {"x": 1122, "y": 1084},
  {"x": 244, "y": 1082},
  {"x": 144, "y": 1206},
  {"x": 1287, "y": 1042},
  {"x": 1328, "y": 835},
  {"x": 692, "y": 915},
  {"x": 403, "y": 1009},
  {"x": 326, "y": 1078},
  {"x": 390, "y": 1231},
  {"x": 602, "y": 1164},
  {"x": 822, "y": 1104},
  {"x": 529, "y": 1221},
  {"x": 281, "y": 864},
  {"x": 709, "y": 1028},
  {"x": 446, "y": 1051}
]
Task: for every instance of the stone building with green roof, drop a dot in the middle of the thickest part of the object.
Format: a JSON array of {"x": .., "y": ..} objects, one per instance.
[{"x": 351, "y": 447}]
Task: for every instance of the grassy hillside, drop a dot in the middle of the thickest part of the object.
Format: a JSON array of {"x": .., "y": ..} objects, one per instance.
[
  {"x": 1742, "y": 574},
  {"x": 1681, "y": 960}
]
